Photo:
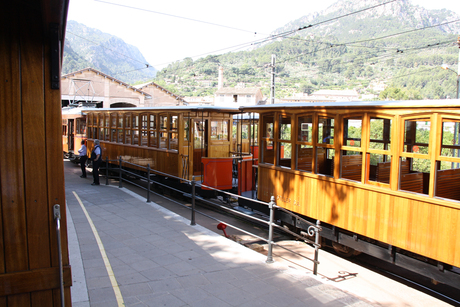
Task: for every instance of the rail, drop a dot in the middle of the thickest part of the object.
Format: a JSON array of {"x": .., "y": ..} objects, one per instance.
[{"x": 313, "y": 230}]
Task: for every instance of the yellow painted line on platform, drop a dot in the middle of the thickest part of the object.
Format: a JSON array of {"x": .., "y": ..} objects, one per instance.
[{"x": 108, "y": 267}]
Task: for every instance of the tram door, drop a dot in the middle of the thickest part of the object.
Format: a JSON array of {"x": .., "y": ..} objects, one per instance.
[
  {"x": 71, "y": 134},
  {"x": 200, "y": 144}
]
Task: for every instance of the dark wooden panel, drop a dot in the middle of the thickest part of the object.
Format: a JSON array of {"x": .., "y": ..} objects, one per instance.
[{"x": 33, "y": 280}]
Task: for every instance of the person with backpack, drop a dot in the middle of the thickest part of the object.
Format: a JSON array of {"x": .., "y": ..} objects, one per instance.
[{"x": 96, "y": 156}]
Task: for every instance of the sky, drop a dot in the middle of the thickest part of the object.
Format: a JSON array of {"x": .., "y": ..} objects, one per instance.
[{"x": 168, "y": 31}]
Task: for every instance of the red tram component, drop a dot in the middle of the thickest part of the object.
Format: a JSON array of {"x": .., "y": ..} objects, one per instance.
[{"x": 382, "y": 177}]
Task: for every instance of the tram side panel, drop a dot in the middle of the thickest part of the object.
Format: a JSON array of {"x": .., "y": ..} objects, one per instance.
[{"x": 408, "y": 222}]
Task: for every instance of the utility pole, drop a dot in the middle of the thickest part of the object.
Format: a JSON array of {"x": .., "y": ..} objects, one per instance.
[{"x": 272, "y": 89}]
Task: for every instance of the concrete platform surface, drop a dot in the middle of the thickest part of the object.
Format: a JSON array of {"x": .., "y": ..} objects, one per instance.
[{"x": 127, "y": 252}]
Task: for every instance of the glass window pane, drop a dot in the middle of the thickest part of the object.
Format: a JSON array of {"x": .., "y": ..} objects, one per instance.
[
  {"x": 128, "y": 121},
  {"x": 128, "y": 137},
  {"x": 153, "y": 124},
  {"x": 244, "y": 132},
  {"x": 380, "y": 134},
  {"x": 135, "y": 134},
  {"x": 304, "y": 158},
  {"x": 450, "y": 139},
  {"x": 352, "y": 131},
  {"x": 120, "y": 121},
  {"x": 414, "y": 175},
  {"x": 120, "y": 135},
  {"x": 380, "y": 168},
  {"x": 174, "y": 122},
  {"x": 163, "y": 122},
  {"x": 163, "y": 140},
  {"x": 285, "y": 128},
  {"x": 448, "y": 181},
  {"x": 326, "y": 130},
  {"x": 144, "y": 122},
  {"x": 268, "y": 126},
  {"x": 284, "y": 154},
  {"x": 305, "y": 129},
  {"x": 268, "y": 153},
  {"x": 324, "y": 161},
  {"x": 173, "y": 141},
  {"x": 351, "y": 165},
  {"x": 186, "y": 129},
  {"x": 416, "y": 136},
  {"x": 135, "y": 121},
  {"x": 114, "y": 120},
  {"x": 153, "y": 141},
  {"x": 144, "y": 138}
]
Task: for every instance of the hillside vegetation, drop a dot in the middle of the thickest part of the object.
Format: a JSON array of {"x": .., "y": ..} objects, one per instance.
[{"x": 355, "y": 52}]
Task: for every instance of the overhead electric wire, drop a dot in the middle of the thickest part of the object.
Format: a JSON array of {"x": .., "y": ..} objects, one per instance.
[{"x": 175, "y": 16}]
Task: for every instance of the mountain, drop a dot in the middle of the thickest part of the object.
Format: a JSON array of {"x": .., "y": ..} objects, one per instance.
[
  {"x": 87, "y": 47},
  {"x": 339, "y": 49}
]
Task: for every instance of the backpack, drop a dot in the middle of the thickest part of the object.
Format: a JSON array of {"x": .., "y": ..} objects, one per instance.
[{"x": 93, "y": 154}]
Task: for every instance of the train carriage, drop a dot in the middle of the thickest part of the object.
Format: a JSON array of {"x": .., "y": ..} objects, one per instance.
[
  {"x": 73, "y": 131},
  {"x": 384, "y": 177},
  {"x": 186, "y": 142}
]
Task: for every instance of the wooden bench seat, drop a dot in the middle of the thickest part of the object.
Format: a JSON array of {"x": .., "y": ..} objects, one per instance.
[
  {"x": 351, "y": 167},
  {"x": 412, "y": 182},
  {"x": 448, "y": 184}
]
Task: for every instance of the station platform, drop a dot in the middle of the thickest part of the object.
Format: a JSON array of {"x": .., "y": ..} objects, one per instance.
[{"x": 127, "y": 252}]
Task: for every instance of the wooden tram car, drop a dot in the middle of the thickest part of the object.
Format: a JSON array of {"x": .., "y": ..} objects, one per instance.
[
  {"x": 382, "y": 177},
  {"x": 185, "y": 142},
  {"x": 73, "y": 131}
]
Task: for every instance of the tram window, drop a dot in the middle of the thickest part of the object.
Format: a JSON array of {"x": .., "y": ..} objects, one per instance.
[
  {"x": 153, "y": 142},
  {"x": 173, "y": 141},
  {"x": 101, "y": 120},
  {"x": 95, "y": 120},
  {"x": 254, "y": 133},
  {"x": 448, "y": 180},
  {"x": 304, "y": 158},
  {"x": 284, "y": 154},
  {"x": 120, "y": 121},
  {"x": 380, "y": 133},
  {"x": 173, "y": 122},
  {"x": 135, "y": 129},
  {"x": 113, "y": 121},
  {"x": 414, "y": 175},
  {"x": 268, "y": 153},
  {"x": 64, "y": 130},
  {"x": 285, "y": 128},
  {"x": 163, "y": 140},
  {"x": 101, "y": 133},
  {"x": 352, "y": 131},
  {"x": 81, "y": 126},
  {"x": 244, "y": 132},
  {"x": 144, "y": 141},
  {"x": 128, "y": 138},
  {"x": 163, "y": 122},
  {"x": 128, "y": 121},
  {"x": 351, "y": 165},
  {"x": 416, "y": 136},
  {"x": 305, "y": 133},
  {"x": 186, "y": 129},
  {"x": 219, "y": 130},
  {"x": 120, "y": 136},
  {"x": 450, "y": 146},
  {"x": 153, "y": 124},
  {"x": 380, "y": 167},
  {"x": 326, "y": 130},
  {"x": 325, "y": 161},
  {"x": 268, "y": 122},
  {"x": 113, "y": 135}
]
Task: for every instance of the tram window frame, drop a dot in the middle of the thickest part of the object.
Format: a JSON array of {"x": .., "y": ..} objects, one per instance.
[
  {"x": 219, "y": 130},
  {"x": 267, "y": 138},
  {"x": 128, "y": 134},
  {"x": 326, "y": 137},
  {"x": 418, "y": 164},
  {"x": 351, "y": 154},
  {"x": 120, "y": 128},
  {"x": 135, "y": 129},
  {"x": 379, "y": 161},
  {"x": 113, "y": 127},
  {"x": 173, "y": 132},
  {"x": 163, "y": 135},
  {"x": 284, "y": 141},
  {"x": 152, "y": 131},
  {"x": 304, "y": 143},
  {"x": 143, "y": 126}
]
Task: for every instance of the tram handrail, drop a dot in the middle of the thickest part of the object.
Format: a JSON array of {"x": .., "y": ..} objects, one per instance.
[{"x": 312, "y": 230}]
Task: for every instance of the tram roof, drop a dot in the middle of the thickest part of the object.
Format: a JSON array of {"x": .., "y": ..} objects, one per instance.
[
  {"x": 442, "y": 103},
  {"x": 174, "y": 109},
  {"x": 76, "y": 110}
]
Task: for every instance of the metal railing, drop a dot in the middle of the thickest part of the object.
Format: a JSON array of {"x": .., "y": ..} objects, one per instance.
[{"x": 313, "y": 230}]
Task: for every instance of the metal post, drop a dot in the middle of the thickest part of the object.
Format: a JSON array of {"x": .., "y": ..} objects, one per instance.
[
  {"x": 317, "y": 238},
  {"x": 121, "y": 170},
  {"x": 271, "y": 205},
  {"x": 106, "y": 170},
  {"x": 148, "y": 182},
  {"x": 57, "y": 217},
  {"x": 192, "y": 222}
]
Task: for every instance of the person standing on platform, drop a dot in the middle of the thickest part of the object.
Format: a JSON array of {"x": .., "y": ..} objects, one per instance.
[
  {"x": 83, "y": 158},
  {"x": 96, "y": 156}
]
